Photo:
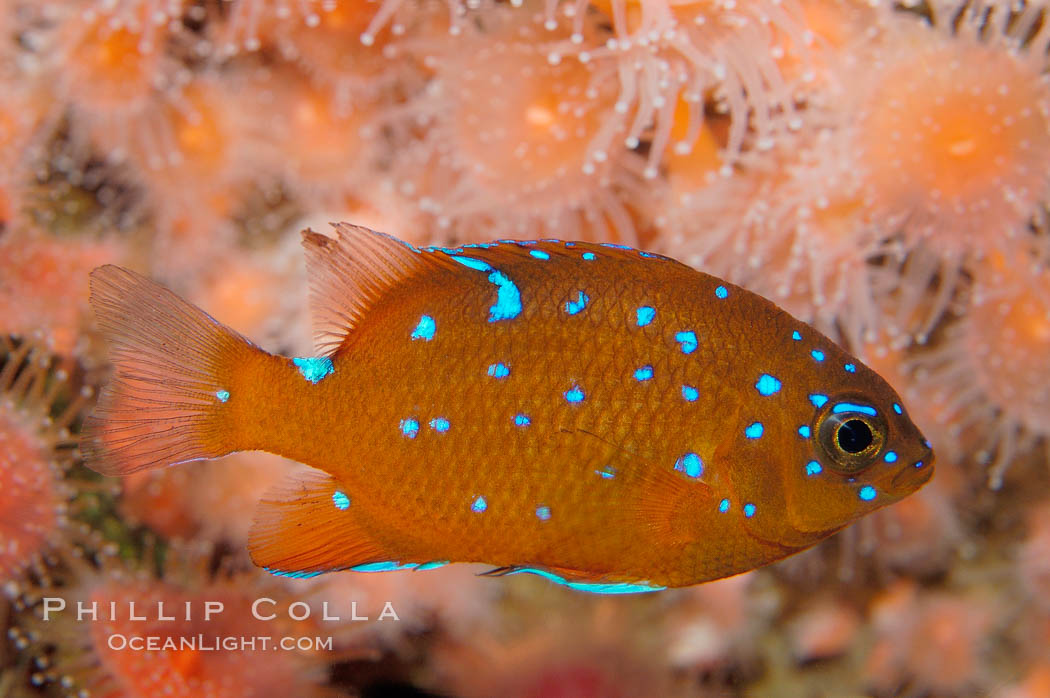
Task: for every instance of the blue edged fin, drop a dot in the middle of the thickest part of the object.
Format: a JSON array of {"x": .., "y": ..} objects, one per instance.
[
  {"x": 590, "y": 587},
  {"x": 308, "y": 525},
  {"x": 391, "y": 566}
]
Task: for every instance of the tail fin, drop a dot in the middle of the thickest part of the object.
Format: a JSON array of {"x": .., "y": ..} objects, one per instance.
[{"x": 174, "y": 370}]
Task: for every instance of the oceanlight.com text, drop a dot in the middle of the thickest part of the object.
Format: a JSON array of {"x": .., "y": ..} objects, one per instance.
[{"x": 216, "y": 643}]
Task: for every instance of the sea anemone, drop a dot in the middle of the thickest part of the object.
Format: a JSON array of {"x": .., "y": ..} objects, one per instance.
[
  {"x": 935, "y": 642},
  {"x": 982, "y": 367},
  {"x": 323, "y": 146},
  {"x": 717, "y": 51},
  {"x": 43, "y": 284},
  {"x": 34, "y": 453},
  {"x": 591, "y": 650},
  {"x": 956, "y": 166},
  {"x": 107, "y": 62},
  {"x": 516, "y": 140}
]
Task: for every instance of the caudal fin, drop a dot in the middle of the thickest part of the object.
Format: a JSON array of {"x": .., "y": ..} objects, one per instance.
[{"x": 174, "y": 367}]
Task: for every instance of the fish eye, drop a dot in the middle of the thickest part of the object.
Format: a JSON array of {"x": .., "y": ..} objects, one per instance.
[
  {"x": 851, "y": 440},
  {"x": 854, "y": 436}
]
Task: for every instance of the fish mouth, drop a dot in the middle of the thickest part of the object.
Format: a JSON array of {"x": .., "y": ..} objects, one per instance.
[{"x": 914, "y": 476}]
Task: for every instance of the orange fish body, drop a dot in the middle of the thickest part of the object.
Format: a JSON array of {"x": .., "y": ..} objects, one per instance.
[{"x": 610, "y": 419}]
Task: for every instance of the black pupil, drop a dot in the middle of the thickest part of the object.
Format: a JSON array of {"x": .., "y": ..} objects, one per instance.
[{"x": 854, "y": 436}]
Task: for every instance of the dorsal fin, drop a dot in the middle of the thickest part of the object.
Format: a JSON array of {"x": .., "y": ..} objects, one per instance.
[{"x": 350, "y": 272}]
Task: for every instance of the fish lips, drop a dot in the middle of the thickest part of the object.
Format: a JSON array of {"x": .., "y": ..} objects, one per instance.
[{"x": 913, "y": 476}]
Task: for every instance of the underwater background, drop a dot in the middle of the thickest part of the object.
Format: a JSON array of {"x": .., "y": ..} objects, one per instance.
[{"x": 880, "y": 170}]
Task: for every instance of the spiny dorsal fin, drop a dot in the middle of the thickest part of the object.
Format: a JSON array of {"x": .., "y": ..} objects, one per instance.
[{"x": 350, "y": 272}]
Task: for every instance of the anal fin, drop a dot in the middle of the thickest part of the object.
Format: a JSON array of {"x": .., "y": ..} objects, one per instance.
[
  {"x": 579, "y": 581},
  {"x": 307, "y": 525}
]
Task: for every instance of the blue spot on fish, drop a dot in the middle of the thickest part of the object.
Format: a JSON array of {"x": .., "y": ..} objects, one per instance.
[
  {"x": 499, "y": 370},
  {"x": 690, "y": 393},
  {"x": 796, "y": 336},
  {"x": 543, "y": 513},
  {"x": 754, "y": 431},
  {"x": 644, "y": 373},
  {"x": 607, "y": 473},
  {"x": 479, "y": 505},
  {"x": 425, "y": 329},
  {"x": 817, "y": 354},
  {"x": 767, "y": 384},
  {"x": 340, "y": 500},
  {"x": 223, "y": 395},
  {"x": 475, "y": 264},
  {"x": 818, "y": 400},
  {"x": 749, "y": 510},
  {"x": 573, "y": 307},
  {"x": 590, "y": 587},
  {"x": 687, "y": 341},
  {"x": 574, "y": 394},
  {"x": 521, "y": 420},
  {"x": 315, "y": 368},
  {"x": 897, "y": 408},
  {"x": 409, "y": 427},
  {"x": 539, "y": 254},
  {"x": 804, "y": 431},
  {"x": 615, "y": 246},
  {"x": 588, "y": 256},
  {"x": 645, "y": 315},
  {"x": 723, "y": 506},
  {"x": 867, "y": 493},
  {"x": 508, "y": 298},
  {"x": 439, "y": 424},
  {"x": 813, "y": 468},
  {"x": 851, "y": 407},
  {"x": 890, "y": 457},
  {"x": 690, "y": 464},
  {"x": 850, "y": 368},
  {"x": 721, "y": 292}
]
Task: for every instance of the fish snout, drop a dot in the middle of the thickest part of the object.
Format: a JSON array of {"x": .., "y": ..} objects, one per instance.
[{"x": 914, "y": 475}]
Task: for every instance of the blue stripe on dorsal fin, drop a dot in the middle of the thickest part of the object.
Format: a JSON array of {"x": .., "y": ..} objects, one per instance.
[{"x": 589, "y": 587}]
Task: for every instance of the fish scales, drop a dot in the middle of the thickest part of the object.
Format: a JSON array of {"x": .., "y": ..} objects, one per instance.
[
  {"x": 608, "y": 418},
  {"x": 549, "y": 462}
]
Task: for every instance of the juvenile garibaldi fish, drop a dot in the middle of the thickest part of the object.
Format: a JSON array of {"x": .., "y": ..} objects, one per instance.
[{"x": 610, "y": 419}]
